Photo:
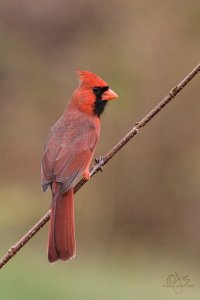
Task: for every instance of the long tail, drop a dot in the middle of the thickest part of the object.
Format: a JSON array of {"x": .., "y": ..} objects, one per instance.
[{"x": 61, "y": 242}]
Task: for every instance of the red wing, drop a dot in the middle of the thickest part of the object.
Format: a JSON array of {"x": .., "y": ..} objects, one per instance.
[{"x": 65, "y": 158}]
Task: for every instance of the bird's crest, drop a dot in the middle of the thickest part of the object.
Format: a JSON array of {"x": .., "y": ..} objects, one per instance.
[{"x": 89, "y": 79}]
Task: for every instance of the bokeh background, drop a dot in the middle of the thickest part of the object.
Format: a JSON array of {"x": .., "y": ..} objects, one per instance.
[{"x": 138, "y": 221}]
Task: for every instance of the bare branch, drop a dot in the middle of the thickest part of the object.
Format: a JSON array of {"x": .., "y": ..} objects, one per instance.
[{"x": 103, "y": 161}]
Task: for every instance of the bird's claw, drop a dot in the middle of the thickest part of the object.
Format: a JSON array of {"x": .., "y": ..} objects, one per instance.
[
  {"x": 99, "y": 161},
  {"x": 98, "y": 166}
]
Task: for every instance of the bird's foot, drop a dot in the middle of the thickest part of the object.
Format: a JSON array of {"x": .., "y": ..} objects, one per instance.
[
  {"x": 98, "y": 166},
  {"x": 99, "y": 163}
]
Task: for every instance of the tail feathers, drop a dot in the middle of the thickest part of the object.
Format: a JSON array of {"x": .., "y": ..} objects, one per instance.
[{"x": 61, "y": 243}]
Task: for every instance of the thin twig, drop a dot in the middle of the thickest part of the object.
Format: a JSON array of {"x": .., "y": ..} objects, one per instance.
[{"x": 103, "y": 161}]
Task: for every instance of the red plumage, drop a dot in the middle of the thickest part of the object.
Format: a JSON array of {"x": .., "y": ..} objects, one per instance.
[{"x": 67, "y": 156}]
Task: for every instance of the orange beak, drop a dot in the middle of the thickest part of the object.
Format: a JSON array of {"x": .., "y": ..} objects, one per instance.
[{"x": 109, "y": 95}]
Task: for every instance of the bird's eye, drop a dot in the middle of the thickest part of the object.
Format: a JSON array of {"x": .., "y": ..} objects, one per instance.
[{"x": 96, "y": 89}]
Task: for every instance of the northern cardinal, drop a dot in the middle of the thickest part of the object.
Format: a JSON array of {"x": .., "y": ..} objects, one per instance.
[{"x": 67, "y": 155}]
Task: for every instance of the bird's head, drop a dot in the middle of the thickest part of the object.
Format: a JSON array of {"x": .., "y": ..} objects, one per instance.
[{"x": 93, "y": 93}]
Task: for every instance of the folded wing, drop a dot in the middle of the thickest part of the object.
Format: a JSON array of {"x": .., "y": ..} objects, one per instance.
[{"x": 67, "y": 153}]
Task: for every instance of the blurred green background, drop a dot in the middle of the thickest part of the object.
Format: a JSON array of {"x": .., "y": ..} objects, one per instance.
[{"x": 138, "y": 222}]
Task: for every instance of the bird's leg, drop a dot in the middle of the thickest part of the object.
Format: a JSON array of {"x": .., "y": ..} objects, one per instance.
[{"x": 86, "y": 174}]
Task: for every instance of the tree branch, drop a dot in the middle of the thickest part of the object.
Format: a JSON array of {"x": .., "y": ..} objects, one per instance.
[{"x": 103, "y": 161}]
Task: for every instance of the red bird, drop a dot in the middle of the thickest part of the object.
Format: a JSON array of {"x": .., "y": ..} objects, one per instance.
[{"x": 67, "y": 155}]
